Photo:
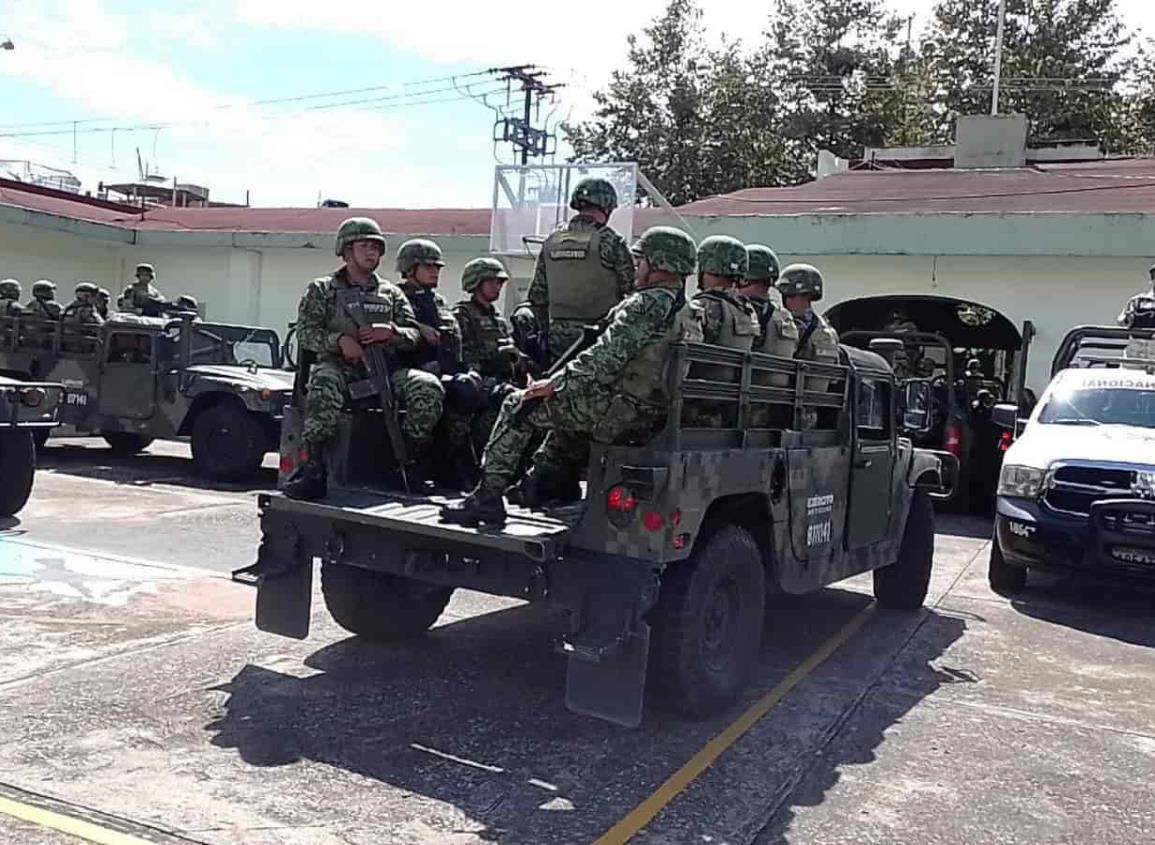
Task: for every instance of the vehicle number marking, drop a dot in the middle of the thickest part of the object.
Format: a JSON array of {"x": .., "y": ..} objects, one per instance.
[
  {"x": 818, "y": 534},
  {"x": 78, "y": 399},
  {"x": 819, "y": 513},
  {"x": 1021, "y": 529}
]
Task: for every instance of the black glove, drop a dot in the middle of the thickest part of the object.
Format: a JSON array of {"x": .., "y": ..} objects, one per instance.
[{"x": 465, "y": 392}]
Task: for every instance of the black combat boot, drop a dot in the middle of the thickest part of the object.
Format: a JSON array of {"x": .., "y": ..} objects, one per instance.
[
  {"x": 481, "y": 506},
  {"x": 537, "y": 490},
  {"x": 309, "y": 480}
]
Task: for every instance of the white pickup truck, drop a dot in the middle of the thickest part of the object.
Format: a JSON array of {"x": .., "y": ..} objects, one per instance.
[{"x": 1077, "y": 486}]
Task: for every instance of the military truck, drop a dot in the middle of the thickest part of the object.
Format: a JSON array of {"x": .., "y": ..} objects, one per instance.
[
  {"x": 25, "y": 408},
  {"x": 664, "y": 566},
  {"x": 134, "y": 379}
]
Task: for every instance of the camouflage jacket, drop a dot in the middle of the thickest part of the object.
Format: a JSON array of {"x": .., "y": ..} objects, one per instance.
[
  {"x": 320, "y": 325},
  {"x": 486, "y": 341},
  {"x": 82, "y": 312},
  {"x": 48, "y": 310},
  {"x": 10, "y": 308},
  {"x": 640, "y": 320},
  {"x": 615, "y": 256},
  {"x": 134, "y": 296}
]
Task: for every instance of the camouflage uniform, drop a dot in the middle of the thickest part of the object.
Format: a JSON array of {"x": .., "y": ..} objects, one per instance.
[
  {"x": 43, "y": 303},
  {"x": 613, "y": 389},
  {"x": 817, "y": 339},
  {"x": 487, "y": 350},
  {"x": 572, "y": 286},
  {"x": 320, "y": 326},
  {"x": 82, "y": 309},
  {"x": 10, "y": 298},
  {"x": 138, "y": 294},
  {"x": 102, "y": 299},
  {"x": 431, "y": 309}
]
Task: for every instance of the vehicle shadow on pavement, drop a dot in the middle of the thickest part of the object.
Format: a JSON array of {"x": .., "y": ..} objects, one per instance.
[
  {"x": 1114, "y": 609},
  {"x": 472, "y": 716},
  {"x": 141, "y": 470},
  {"x": 854, "y": 740},
  {"x": 963, "y": 525}
]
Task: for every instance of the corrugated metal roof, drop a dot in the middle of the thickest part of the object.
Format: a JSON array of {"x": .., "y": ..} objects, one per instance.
[{"x": 1111, "y": 186}]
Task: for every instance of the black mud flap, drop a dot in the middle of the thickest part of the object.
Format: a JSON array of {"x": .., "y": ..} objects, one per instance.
[
  {"x": 613, "y": 686},
  {"x": 284, "y": 587}
]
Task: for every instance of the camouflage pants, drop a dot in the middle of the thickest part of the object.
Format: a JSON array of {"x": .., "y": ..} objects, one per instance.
[
  {"x": 469, "y": 432},
  {"x": 563, "y": 335},
  {"x": 571, "y": 421},
  {"x": 418, "y": 393}
]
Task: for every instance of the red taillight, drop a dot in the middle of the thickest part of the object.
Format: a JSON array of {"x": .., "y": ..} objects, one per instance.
[
  {"x": 286, "y": 463},
  {"x": 953, "y": 439},
  {"x": 1005, "y": 440},
  {"x": 675, "y": 518},
  {"x": 621, "y": 499},
  {"x": 653, "y": 521},
  {"x": 303, "y": 455}
]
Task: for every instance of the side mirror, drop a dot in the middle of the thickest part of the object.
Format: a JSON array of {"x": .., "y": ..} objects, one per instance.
[
  {"x": 1006, "y": 416},
  {"x": 916, "y": 400}
]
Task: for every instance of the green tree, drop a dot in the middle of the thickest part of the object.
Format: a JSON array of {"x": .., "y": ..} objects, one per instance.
[{"x": 1064, "y": 66}]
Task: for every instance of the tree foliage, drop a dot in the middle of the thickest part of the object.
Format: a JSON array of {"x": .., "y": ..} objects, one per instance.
[{"x": 844, "y": 75}]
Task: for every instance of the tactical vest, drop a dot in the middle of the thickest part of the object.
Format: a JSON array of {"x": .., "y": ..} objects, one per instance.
[
  {"x": 581, "y": 289},
  {"x": 10, "y": 308},
  {"x": 738, "y": 330},
  {"x": 378, "y": 309},
  {"x": 822, "y": 345},
  {"x": 779, "y": 336},
  {"x": 1141, "y": 310},
  {"x": 646, "y": 377},
  {"x": 431, "y": 310},
  {"x": 489, "y": 340},
  {"x": 47, "y": 310}
]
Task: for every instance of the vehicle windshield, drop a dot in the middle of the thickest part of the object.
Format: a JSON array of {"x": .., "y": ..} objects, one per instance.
[
  {"x": 1101, "y": 405},
  {"x": 213, "y": 343}
]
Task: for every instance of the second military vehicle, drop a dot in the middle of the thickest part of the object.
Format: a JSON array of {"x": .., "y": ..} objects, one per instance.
[
  {"x": 25, "y": 409},
  {"x": 135, "y": 379},
  {"x": 664, "y": 566}
]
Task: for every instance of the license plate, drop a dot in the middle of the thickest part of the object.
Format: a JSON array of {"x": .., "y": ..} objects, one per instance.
[{"x": 1130, "y": 555}]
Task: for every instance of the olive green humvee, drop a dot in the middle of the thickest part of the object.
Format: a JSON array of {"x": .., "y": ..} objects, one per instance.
[
  {"x": 664, "y": 566},
  {"x": 134, "y": 379}
]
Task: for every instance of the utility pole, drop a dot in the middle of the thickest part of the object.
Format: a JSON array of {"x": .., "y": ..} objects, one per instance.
[
  {"x": 998, "y": 56},
  {"x": 527, "y": 140}
]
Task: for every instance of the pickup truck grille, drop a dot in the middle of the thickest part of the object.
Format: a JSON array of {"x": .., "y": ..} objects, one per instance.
[{"x": 1073, "y": 489}]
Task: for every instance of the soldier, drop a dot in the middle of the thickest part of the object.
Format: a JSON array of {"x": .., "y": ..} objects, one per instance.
[
  {"x": 583, "y": 269},
  {"x": 43, "y": 303},
  {"x": 729, "y": 320},
  {"x": 136, "y": 295},
  {"x": 439, "y": 350},
  {"x": 82, "y": 309},
  {"x": 103, "y": 297},
  {"x": 1139, "y": 312},
  {"x": 777, "y": 333},
  {"x": 337, "y": 342},
  {"x": 10, "y": 293},
  {"x": 185, "y": 302},
  {"x": 801, "y": 286},
  {"x": 612, "y": 390},
  {"x": 489, "y": 355}
]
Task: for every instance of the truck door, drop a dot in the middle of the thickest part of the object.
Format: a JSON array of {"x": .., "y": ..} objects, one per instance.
[
  {"x": 128, "y": 376},
  {"x": 872, "y": 461}
]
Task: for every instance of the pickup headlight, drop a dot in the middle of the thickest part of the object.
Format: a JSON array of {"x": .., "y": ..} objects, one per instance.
[{"x": 1020, "y": 482}]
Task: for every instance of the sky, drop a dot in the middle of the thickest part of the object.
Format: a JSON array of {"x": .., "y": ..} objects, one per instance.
[{"x": 189, "y": 85}]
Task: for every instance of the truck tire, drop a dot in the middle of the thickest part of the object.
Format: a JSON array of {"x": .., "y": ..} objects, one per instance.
[
  {"x": 17, "y": 468},
  {"x": 379, "y": 606},
  {"x": 40, "y": 437},
  {"x": 1003, "y": 577},
  {"x": 707, "y": 625},
  {"x": 903, "y": 584},
  {"x": 228, "y": 444},
  {"x": 125, "y": 442}
]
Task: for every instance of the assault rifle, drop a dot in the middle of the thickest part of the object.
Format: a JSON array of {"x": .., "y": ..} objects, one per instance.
[
  {"x": 589, "y": 336},
  {"x": 378, "y": 384}
]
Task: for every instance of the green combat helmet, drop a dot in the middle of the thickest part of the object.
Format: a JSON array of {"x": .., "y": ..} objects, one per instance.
[
  {"x": 763, "y": 264},
  {"x": 103, "y": 294},
  {"x": 667, "y": 248},
  {"x": 418, "y": 251},
  {"x": 184, "y": 302},
  {"x": 596, "y": 192},
  {"x": 145, "y": 268},
  {"x": 723, "y": 255},
  {"x": 88, "y": 289},
  {"x": 358, "y": 229},
  {"x": 10, "y": 289},
  {"x": 44, "y": 290},
  {"x": 801, "y": 279},
  {"x": 480, "y": 269}
]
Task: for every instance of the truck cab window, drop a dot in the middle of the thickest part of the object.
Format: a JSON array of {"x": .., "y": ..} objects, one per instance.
[{"x": 872, "y": 415}]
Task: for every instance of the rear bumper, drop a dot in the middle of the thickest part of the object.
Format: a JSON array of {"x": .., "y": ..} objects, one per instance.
[
  {"x": 1117, "y": 539},
  {"x": 30, "y": 405}
]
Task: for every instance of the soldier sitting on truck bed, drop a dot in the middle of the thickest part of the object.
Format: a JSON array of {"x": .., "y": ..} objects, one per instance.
[
  {"x": 336, "y": 341},
  {"x": 134, "y": 298},
  {"x": 43, "y": 303},
  {"x": 801, "y": 286},
  {"x": 102, "y": 299},
  {"x": 777, "y": 332},
  {"x": 612, "y": 390},
  {"x": 10, "y": 298},
  {"x": 419, "y": 262},
  {"x": 82, "y": 309}
]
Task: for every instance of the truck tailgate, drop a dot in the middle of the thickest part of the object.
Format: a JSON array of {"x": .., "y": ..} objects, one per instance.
[{"x": 536, "y": 534}]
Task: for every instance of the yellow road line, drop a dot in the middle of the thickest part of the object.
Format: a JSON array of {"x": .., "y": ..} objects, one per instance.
[
  {"x": 644, "y": 813},
  {"x": 81, "y": 829}
]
